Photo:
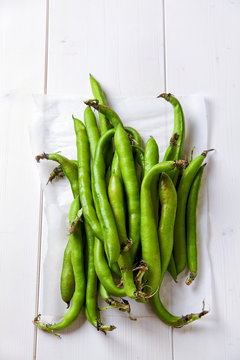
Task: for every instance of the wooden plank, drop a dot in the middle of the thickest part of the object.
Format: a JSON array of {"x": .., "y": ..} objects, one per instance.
[
  {"x": 22, "y": 28},
  {"x": 121, "y": 44},
  {"x": 203, "y": 57},
  {"x": 22, "y": 31}
]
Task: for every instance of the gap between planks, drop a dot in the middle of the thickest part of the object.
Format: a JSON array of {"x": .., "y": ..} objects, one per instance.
[
  {"x": 165, "y": 90},
  {"x": 40, "y": 222}
]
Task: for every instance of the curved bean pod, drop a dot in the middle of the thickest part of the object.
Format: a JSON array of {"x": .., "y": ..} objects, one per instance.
[
  {"x": 191, "y": 218},
  {"x": 136, "y": 138},
  {"x": 69, "y": 168},
  {"x": 104, "y": 122},
  {"x": 176, "y": 143},
  {"x": 150, "y": 248},
  {"x": 117, "y": 202},
  {"x": 103, "y": 271},
  {"x": 128, "y": 171},
  {"x": 92, "y": 129},
  {"x": 91, "y": 308},
  {"x": 149, "y": 235},
  {"x": 151, "y": 158},
  {"x": 77, "y": 259},
  {"x": 110, "y": 114},
  {"x": 99, "y": 95},
  {"x": 174, "y": 150},
  {"x": 151, "y": 154},
  {"x": 84, "y": 178},
  {"x": 168, "y": 200},
  {"x": 172, "y": 268},
  {"x": 93, "y": 136},
  {"x": 169, "y": 319},
  {"x": 67, "y": 282},
  {"x": 136, "y": 142},
  {"x": 179, "y": 249},
  {"x": 111, "y": 239},
  {"x": 116, "y": 197},
  {"x": 139, "y": 152}
]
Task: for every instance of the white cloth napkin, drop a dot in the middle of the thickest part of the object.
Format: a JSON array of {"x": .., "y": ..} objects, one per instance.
[{"x": 52, "y": 130}]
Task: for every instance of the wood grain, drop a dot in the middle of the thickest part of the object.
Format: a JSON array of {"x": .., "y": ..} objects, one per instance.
[{"x": 120, "y": 43}]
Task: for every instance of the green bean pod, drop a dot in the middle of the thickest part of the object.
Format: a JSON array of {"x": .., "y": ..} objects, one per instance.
[
  {"x": 103, "y": 271},
  {"x": 67, "y": 282},
  {"x": 92, "y": 129},
  {"x": 136, "y": 138},
  {"x": 172, "y": 268},
  {"x": 99, "y": 95},
  {"x": 110, "y": 114},
  {"x": 113, "y": 117},
  {"x": 104, "y": 122},
  {"x": 111, "y": 239},
  {"x": 91, "y": 305},
  {"x": 172, "y": 320},
  {"x": 151, "y": 154},
  {"x": 151, "y": 249},
  {"x": 151, "y": 158},
  {"x": 93, "y": 136},
  {"x": 117, "y": 201},
  {"x": 128, "y": 171},
  {"x": 174, "y": 150},
  {"x": 84, "y": 178},
  {"x": 179, "y": 249},
  {"x": 69, "y": 168},
  {"x": 58, "y": 172},
  {"x": 77, "y": 259},
  {"x": 115, "y": 169},
  {"x": 136, "y": 142},
  {"x": 139, "y": 153},
  {"x": 191, "y": 218},
  {"x": 149, "y": 234},
  {"x": 168, "y": 200}
]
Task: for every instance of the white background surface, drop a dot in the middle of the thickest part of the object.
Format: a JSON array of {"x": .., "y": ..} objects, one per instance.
[{"x": 135, "y": 48}]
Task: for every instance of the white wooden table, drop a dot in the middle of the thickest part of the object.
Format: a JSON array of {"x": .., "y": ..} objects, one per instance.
[{"x": 135, "y": 48}]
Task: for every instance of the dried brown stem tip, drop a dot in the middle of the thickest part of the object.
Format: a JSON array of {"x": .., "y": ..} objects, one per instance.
[
  {"x": 56, "y": 173},
  {"x": 41, "y": 157},
  {"x": 174, "y": 139},
  {"x": 205, "y": 152},
  {"x": 122, "y": 305},
  {"x": 181, "y": 164},
  {"x": 165, "y": 96},
  {"x": 75, "y": 222},
  {"x": 93, "y": 103},
  {"x": 127, "y": 247},
  {"x": 190, "y": 279}
]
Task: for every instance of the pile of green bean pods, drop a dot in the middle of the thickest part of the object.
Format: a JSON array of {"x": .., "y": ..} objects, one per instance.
[{"x": 132, "y": 218}]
